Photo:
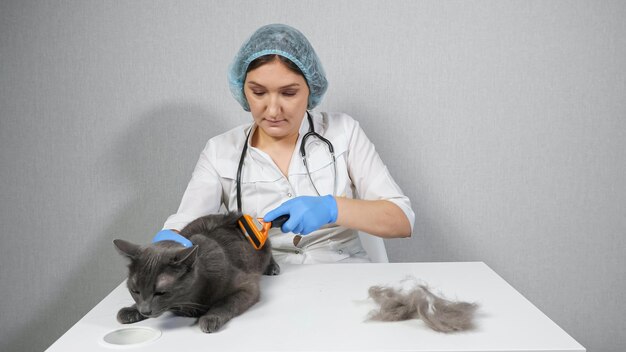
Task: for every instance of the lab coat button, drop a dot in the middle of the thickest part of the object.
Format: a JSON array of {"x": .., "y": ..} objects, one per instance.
[
  {"x": 289, "y": 195},
  {"x": 340, "y": 251}
]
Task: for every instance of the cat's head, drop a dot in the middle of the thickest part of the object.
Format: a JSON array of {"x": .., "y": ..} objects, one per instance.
[{"x": 159, "y": 275}]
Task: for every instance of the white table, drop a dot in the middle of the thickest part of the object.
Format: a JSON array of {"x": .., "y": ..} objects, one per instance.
[{"x": 324, "y": 307}]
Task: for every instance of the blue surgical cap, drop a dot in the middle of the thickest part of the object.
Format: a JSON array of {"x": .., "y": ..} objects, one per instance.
[{"x": 286, "y": 41}]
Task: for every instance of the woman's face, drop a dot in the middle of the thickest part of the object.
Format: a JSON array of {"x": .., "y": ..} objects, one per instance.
[{"x": 278, "y": 98}]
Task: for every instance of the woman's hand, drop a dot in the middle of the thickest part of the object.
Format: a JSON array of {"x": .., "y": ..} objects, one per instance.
[
  {"x": 306, "y": 213},
  {"x": 171, "y": 235}
]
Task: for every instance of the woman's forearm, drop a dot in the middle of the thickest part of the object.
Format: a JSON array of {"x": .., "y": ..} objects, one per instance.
[{"x": 377, "y": 217}]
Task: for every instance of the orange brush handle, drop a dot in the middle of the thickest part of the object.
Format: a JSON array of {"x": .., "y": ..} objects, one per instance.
[
  {"x": 253, "y": 230},
  {"x": 256, "y": 230}
]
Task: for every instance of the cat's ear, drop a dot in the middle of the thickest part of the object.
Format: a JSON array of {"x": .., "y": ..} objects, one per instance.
[
  {"x": 127, "y": 249},
  {"x": 185, "y": 256}
]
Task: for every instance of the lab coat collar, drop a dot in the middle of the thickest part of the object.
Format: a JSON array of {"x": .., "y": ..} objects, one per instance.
[{"x": 255, "y": 153}]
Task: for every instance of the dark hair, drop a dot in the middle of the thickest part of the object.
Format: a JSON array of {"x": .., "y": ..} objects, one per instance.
[{"x": 266, "y": 59}]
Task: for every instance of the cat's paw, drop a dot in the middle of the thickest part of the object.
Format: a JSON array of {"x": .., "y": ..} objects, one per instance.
[
  {"x": 211, "y": 323},
  {"x": 129, "y": 315},
  {"x": 272, "y": 269}
]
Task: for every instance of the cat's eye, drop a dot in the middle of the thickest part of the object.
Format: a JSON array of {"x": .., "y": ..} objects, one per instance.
[
  {"x": 159, "y": 293},
  {"x": 135, "y": 292}
]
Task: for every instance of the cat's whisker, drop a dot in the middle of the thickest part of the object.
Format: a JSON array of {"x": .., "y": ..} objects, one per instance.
[
  {"x": 191, "y": 303},
  {"x": 184, "y": 306}
]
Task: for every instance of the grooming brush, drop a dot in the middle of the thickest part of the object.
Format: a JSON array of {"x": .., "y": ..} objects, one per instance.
[{"x": 256, "y": 230}]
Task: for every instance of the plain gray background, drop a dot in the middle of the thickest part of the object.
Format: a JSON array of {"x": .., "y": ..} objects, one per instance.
[{"x": 504, "y": 122}]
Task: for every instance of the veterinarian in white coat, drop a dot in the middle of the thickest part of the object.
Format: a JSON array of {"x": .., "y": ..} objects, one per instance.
[{"x": 278, "y": 78}]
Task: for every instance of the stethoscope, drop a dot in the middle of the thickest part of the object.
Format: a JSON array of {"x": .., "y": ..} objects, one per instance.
[{"x": 302, "y": 153}]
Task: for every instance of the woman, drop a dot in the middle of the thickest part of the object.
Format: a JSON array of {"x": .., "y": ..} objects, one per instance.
[{"x": 278, "y": 78}]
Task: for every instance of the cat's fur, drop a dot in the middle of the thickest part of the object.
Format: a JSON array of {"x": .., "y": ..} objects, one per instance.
[
  {"x": 215, "y": 280},
  {"x": 419, "y": 302}
]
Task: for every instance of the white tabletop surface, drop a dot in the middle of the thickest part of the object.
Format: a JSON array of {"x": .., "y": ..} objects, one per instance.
[{"x": 324, "y": 308}]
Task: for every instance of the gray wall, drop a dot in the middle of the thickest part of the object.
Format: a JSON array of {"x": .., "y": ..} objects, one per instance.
[{"x": 503, "y": 122}]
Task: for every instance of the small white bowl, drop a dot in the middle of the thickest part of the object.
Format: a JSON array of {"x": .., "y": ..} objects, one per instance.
[{"x": 135, "y": 336}]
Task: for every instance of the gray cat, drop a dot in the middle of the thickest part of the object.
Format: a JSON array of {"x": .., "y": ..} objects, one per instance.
[{"x": 215, "y": 280}]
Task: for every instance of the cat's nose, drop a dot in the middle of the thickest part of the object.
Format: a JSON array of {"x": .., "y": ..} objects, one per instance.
[{"x": 144, "y": 309}]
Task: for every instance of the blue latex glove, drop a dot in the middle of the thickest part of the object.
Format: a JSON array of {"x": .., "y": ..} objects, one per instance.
[
  {"x": 306, "y": 213},
  {"x": 169, "y": 235}
]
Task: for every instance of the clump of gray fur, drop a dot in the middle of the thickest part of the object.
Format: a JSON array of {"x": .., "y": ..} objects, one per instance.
[{"x": 419, "y": 302}]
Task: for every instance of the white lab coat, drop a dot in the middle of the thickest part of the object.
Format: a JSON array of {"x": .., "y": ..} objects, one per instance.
[{"x": 361, "y": 174}]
